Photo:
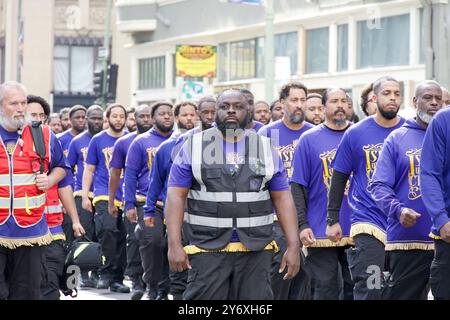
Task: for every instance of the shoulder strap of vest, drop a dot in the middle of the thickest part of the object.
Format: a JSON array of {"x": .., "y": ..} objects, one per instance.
[{"x": 38, "y": 140}]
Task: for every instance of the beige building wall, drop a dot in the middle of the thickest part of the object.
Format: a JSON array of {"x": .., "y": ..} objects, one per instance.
[{"x": 37, "y": 68}]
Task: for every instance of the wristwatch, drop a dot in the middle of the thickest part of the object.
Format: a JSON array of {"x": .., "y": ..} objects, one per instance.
[{"x": 331, "y": 221}]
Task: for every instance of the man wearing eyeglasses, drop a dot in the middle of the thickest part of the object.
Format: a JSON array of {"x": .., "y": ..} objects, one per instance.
[{"x": 23, "y": 229}]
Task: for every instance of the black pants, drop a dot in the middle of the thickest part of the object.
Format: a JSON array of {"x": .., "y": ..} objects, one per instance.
[
  {"x": 298, "y": 288},
  {"x": 112, "y": 237},
  {"x": 328, "y": 268},
  {"x": 55, "y": 256},
  {"x": 134, "y": 262},
  {"x": 86, "y": 219},
  {"x": 409, "y": 274},
  {"x": 440, "y": 271},
  {"x": 366, "y": 262},
  {"x": 178, "y": 280},
  {"x": 88, "y": 223},
  {"x": 21, "y": 272},
  {"x": 230, "y": 276},
  {"x": 153, "y": 249},
  {"x": 67, "y": 227}
]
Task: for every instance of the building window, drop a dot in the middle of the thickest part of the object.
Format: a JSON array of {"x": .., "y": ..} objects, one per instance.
[
  {"x": 342, "y": 62},
  {"x": 317, "y": 47},
  {"x": 286, "y": 45},
  {"x": 387, "y": 45},
  {"x": 243, "y": 59},
  {"x": 152, "y": 73},
  {"x": 74, "y": 68}
]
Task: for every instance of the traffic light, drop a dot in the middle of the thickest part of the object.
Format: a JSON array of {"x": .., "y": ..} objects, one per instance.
[
  {"x": 113, "y": 70},
  {"x": 98, "y": 83}
]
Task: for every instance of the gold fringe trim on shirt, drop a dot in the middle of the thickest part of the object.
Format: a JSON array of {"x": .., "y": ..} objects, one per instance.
[
  {"x": 59, "y": 237},
  {"x": 117, "y": 203},
  {"x": 327, "y": 243},
  {"x": 409, "y": 246},
  {"x": 79, "y": 193},
  {"x": 141, "y": 198},
  {"x": 433, "y": 236},
  {"x": 15, "y": 243},
  {"x": 231, "y": 247},
  {"x": 368, "y": 228}
]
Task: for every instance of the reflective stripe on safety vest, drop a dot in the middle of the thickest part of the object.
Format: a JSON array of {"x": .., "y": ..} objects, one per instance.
[
  {"x": 228, "y": 222},
  {"x": 23, "y": 203},
  {"x": 228, "y": 196},
  {"x": 52, "y": 209},
  {"x": 17, "y": 179}
]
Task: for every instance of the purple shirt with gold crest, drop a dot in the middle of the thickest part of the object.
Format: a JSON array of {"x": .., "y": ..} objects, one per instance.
[
  {"x": 284, "y": 140},
  {"x": 312, "y": 169},
  {"x": 358, "y": 153}
]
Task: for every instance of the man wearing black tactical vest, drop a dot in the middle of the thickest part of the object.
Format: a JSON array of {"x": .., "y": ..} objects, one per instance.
[{"x": 230, "y": 177}]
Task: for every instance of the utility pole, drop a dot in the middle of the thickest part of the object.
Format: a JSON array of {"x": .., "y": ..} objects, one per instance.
[
  {"x": 269, "y": 62},
  {"x": 106, "y": 46}
]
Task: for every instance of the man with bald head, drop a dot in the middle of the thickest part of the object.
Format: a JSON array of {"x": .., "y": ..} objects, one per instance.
[
  {"x": 231, "y": 241},
  {"x": 395, "y": 189}
]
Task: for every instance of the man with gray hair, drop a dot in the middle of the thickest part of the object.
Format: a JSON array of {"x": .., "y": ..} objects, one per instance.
[
  {"x": 395, "y": 189},
  {"x": 25, "y": 176}
]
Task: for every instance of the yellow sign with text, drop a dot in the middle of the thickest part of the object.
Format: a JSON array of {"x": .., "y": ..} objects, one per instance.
[{"x": 196, "y": 61}]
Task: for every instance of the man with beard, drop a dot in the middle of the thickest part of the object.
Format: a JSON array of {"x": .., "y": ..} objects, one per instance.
[
  {"x": 396, "y": 190},
  {"x": 262, "y": 112},
  {"x": 77, "y": 117},
  {"x": 310, "y": 183},
  {"x": 110, "y": 230},
  {"x": 157, "y": 191},
  {"x": 358, "y": 154},
  {"x": 131, "y": 120},
  {"x": 117, "y": 168},
  {"x": 232, "y": 177},
  {"x": 54, "y": 122},
  {"x": 276, "y": 110},
  {"x": 77, "y": 157},
  {"x": 314, "y": 112},
  {"x": 284, "y": 134},
  {"x": 65, "y": 120},
  {"x": 139, "y": 163},
  {"x": 25, "y": 178}
]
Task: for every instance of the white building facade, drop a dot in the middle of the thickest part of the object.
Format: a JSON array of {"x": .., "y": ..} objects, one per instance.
[{"x": 320, "y": 43}]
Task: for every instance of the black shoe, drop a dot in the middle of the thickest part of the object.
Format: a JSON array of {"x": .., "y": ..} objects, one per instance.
[
  {"x": 87, "y": 283},
  {"x": 152, "y": 293},
  {"x": 119, "y": 287},
  {"x": 102, "y": 284},
  {"x": 162, "y": 296},
  {"x": 137, "y": 289},
  {"x": 177, "y": 296}
]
